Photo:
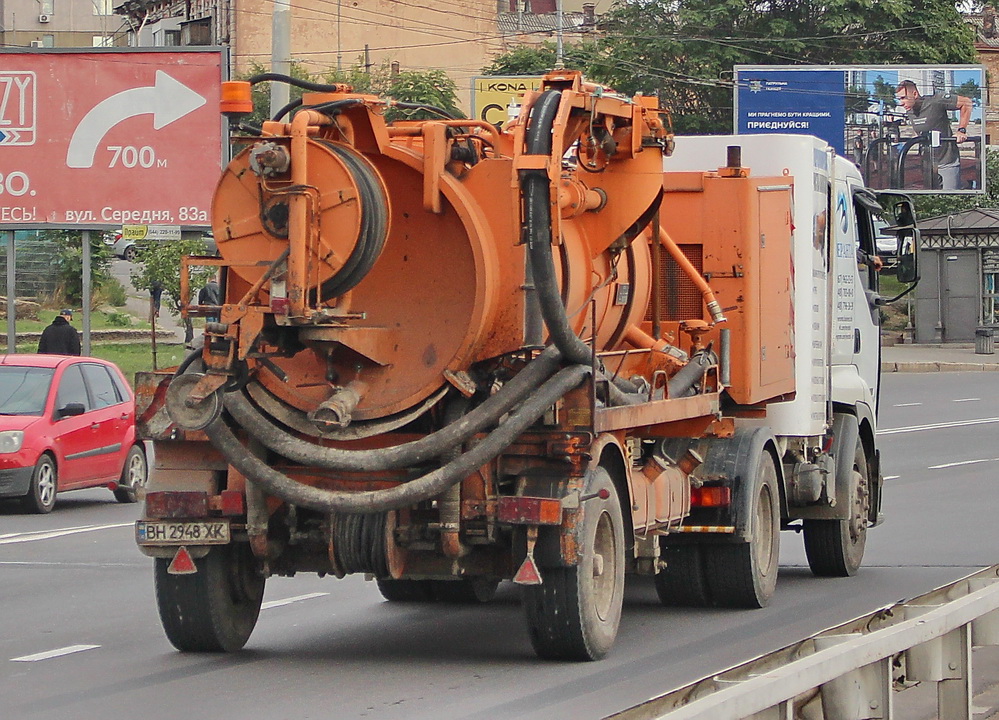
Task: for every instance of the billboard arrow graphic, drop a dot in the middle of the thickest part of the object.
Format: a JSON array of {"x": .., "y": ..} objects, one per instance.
[{"x": 167, "y": 100}]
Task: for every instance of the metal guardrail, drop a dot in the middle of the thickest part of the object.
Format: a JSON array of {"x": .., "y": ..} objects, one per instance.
[{"x": 852, "y": 671}]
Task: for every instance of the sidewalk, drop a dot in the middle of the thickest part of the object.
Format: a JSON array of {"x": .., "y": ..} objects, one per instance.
[
  {"x": 138, "y": 304},
  {"x": 950, "y": 357}
]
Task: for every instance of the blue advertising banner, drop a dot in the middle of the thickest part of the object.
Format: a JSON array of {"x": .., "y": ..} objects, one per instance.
[
  {"x": 794, "y": 102},
  {"x": 917, "y": 128}
]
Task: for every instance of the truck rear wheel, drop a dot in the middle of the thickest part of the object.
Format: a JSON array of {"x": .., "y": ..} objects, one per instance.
[
  {"x": 574, "y": 614},
  {"x": 745, "y": 575},
  {"x": 682, "y": 582},
  {"x": 835, "y": 548},
  {"x": 406, "y": 590},
  {"x": 216, "y": 608}
]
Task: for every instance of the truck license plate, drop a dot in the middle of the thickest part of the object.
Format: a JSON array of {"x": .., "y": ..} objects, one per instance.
[{"x": 165, "y": 532}]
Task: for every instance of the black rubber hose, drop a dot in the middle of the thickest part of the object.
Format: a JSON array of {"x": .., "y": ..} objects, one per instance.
[
  {"x": 279, "y": 115},
  {"x": 422, "y": 488},
  {"x": 535, "y": 186},
  {"x": 690, "y": 374},
  {"x": 259, "y": 426},
  {"x": 334, "y": 106},
  {"x": 374, "y": 225},
  {"x": 304, "y": 84}
]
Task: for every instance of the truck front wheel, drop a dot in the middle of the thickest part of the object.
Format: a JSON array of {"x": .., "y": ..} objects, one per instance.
[
  {"x": 835, "y": 548},
  {"x": 216, "y": 608},
  {"x": 574, "y": 614}
]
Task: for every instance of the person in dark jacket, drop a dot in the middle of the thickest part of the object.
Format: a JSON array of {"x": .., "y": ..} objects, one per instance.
[
  {"x": 210, "y": 294},
  {"x": 60, "y": 338}
]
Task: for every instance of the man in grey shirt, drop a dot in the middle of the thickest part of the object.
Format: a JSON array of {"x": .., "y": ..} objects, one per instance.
[{"x": 929, "y": 113}]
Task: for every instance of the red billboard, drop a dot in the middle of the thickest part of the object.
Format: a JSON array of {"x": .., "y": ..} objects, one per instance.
[{"x": 108, "y": 137}]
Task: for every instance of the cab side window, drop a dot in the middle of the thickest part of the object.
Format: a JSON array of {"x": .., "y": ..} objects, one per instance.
[
  {"x": 72, "y": 389},
  {"x": 867, "y": 247}
]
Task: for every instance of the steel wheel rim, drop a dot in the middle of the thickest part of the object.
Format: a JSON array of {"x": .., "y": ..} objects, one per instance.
[
  {"x": 46, "y": 484},
  {"x": 764, "y": 525},
  {"x": 858, "y": 521},
  {"x": 135, "y": 473},
  {"x": 604, "y": 566}
]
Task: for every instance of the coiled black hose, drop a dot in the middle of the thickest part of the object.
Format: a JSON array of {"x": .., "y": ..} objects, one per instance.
[
  {"x": 259, "y": 426},
  {"x": 406, "y": 494},
  {"x": 535, "y": 186}
]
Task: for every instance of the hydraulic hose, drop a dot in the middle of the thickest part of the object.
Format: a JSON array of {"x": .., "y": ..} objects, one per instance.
[
  {"x": 304, "y": 84},
  {"x": 535, "y": 186},
  {"x": 422, "y": 488},
  {"x": 259, "y": 426},
  {"x": 374, "y": 225},
  {"x": 690, "y": 374}
]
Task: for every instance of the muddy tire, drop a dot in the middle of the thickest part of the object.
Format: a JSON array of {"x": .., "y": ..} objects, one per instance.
[
  {"x": 216, "y": 608},
  {"x": 835, "y": 548},
  {"x": 745, "y": 574},
  {"x": 133, "y": 476},
  {"x": 682, "y": 582},
  {"x": 41, "y": 495},
  {"x": 406, "y": 590},
  {"x": 574, "y": 614}
]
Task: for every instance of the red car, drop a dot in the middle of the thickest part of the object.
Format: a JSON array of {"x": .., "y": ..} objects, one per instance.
[{"x": 66, "y": 423}]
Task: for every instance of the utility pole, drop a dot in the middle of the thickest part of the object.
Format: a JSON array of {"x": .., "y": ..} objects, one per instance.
[
  {"x": 280, "y": 53},
  {"x": 559, "y": 57},
  {"x": 339, "y": 47}
]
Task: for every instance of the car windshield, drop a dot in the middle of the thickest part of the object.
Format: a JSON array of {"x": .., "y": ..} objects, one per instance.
[{"x": 23, "y": 390}]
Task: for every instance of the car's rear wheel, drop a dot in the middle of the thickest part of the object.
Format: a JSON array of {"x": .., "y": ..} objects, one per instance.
[
  {"x": 133, "y": 476},
  {"x": 44, "y": 484},
  {"x": 129, "y": 253}
]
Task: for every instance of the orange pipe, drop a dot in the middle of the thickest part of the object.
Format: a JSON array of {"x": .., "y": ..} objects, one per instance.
[{"x": 717, "y": 316}]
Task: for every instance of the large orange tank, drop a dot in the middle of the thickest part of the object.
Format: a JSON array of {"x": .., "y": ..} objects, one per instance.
[{"x": 396, "y": 254}]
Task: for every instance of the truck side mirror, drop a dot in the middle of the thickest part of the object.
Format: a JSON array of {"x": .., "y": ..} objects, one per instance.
[
  {"x": 907, "y": 250},
  {"x": 907, "y": 270}
]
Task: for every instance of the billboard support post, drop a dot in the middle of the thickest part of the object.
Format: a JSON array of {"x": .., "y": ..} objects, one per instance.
[
  {"x": 11, "y": 295},
  {"x": 87, "y": 282}
]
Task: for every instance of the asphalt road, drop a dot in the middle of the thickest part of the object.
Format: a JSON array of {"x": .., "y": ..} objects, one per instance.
[{"x": 80, "y": 637}]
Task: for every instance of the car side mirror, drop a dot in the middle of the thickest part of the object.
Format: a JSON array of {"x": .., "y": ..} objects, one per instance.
[{"x": 72, "y": 410}]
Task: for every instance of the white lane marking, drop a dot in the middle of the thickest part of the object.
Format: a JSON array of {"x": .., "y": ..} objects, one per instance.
[
  {"x": 966, "y": 400},
  {"x": 48, "y": 654},
  {"x": 963, "y": 462},
  {"x": 907, "y": 405},
  {"x": 289, "y": 601},
  {"x": 50, "y": 534},
  {"x": 39, "y": 532},
  {"x": 937, "y": 426},
  {"x": 891, "y": 477}
]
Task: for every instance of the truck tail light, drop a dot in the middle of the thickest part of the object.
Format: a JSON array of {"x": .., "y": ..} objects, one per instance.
[
  {"x": 710, "y": 497},
  {"x": 232, "y": 503},
  {"x": 530, "y": 510}
]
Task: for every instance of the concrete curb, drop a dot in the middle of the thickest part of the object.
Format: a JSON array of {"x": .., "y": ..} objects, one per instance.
[{"x": 924, "y": 367}]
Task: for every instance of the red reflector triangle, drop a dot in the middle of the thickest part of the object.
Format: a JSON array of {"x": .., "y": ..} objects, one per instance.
[
  {"x": 528, "y": 573},
  {"x": 183, "y": 563}
]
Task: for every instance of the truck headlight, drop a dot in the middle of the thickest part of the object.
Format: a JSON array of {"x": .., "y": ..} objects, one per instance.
[{"x": 11, "y": 441}]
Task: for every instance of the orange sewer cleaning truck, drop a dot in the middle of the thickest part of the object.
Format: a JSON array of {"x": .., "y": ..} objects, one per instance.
[{"x": 557, "y": 354}]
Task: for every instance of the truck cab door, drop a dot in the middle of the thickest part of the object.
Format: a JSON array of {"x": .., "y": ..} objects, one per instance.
[{"x": 856, "y": 314}]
